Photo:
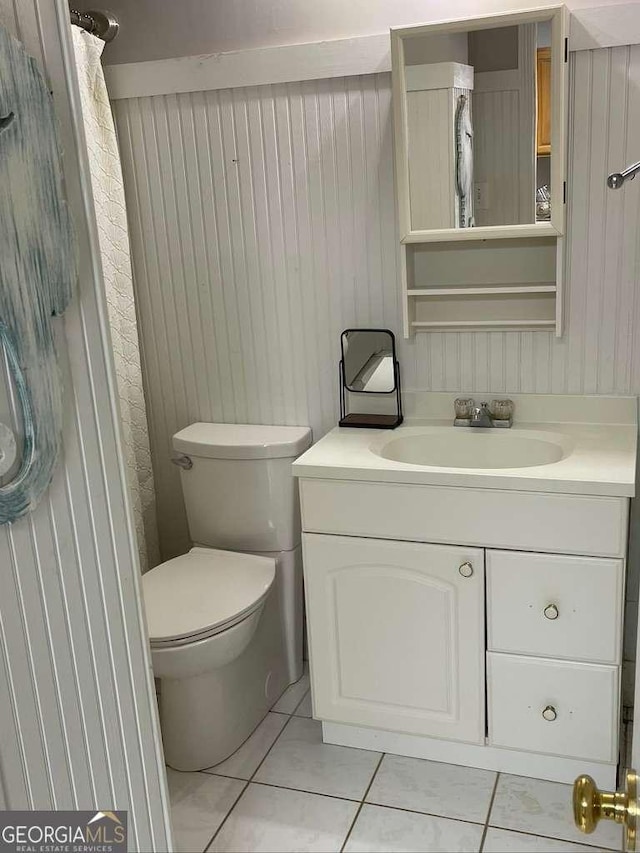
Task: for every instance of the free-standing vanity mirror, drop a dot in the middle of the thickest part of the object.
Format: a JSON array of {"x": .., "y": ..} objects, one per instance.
[
  {"x": 479, "y": 126},
  {"x": 369, "y": 366}
]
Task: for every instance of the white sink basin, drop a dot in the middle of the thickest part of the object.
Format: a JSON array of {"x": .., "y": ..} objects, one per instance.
[{"x": 464, "y": 447}]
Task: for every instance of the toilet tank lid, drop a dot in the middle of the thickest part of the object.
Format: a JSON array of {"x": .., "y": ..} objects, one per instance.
[{"x": 242, "y": 441}]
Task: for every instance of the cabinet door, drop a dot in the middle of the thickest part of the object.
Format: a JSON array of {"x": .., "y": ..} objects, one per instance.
[{"x": 396, "y": 635}]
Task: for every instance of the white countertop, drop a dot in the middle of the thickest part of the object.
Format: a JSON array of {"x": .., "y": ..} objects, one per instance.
[{"x": 598, "y": 436}]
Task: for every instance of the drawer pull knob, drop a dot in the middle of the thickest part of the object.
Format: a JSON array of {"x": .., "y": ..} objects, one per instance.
[
  {"x": 551, "y": 611},
  {"x": 549, "y": 713},
  {"x": 466, "y": 570}
]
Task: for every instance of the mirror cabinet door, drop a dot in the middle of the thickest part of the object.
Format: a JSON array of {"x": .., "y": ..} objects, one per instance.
[{"x": 479, "y": 124}]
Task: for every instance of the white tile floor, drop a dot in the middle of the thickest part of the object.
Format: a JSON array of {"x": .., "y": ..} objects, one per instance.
[{"x": 284, "y": 790}]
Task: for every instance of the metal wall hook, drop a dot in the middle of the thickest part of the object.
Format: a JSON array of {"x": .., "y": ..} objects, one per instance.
[{"x": 617, "y": 179}]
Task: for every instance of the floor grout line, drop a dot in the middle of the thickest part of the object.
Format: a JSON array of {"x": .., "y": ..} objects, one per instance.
[
  {"x": 224, "y": 819},
  {"x": 359, "y": 809},
  {"x": 305, "y": 791},
  {"x": 293, "y": 713},
  {"x": 426, "y": 814},
  {"x": 246, "y": 785},
  {"x": 488, "y": 817},
  {"x": 589, "y": 844},
  {"x": 267, "y": 753}
]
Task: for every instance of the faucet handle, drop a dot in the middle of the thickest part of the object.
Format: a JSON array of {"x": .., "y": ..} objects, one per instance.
[
  {"x": 502, "y": 412},
  {"x": 502, "y": 409},
  {"x": 463, "y": 407}
]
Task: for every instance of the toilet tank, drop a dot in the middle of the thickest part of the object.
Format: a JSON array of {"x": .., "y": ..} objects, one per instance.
[{"x": 239, "y": 492}]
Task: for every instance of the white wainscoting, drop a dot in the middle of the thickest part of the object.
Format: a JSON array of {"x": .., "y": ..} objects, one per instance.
[
  {"x": 78, "y": 729},
  {"x": 263, "y": 223}
]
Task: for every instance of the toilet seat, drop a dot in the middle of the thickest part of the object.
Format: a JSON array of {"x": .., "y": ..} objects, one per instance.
[{"x": 203, "y": 593}]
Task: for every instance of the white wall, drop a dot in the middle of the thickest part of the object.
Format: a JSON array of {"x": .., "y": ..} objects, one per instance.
[
  {"x": 263, "y": 224},
  {"x": 78, "y": 728},
  {"x": 157, "y": 29}
]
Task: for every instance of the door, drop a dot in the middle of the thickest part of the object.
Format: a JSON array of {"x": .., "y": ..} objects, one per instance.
[
  {"x": 79, "y": 718},
  {"x": 396, "y": 633}
]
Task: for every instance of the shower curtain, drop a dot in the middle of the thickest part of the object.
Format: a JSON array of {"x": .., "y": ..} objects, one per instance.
[{"x": 108, "y": 193}]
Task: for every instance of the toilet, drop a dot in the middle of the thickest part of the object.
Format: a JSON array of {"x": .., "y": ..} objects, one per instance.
[{"x": 225, "y": 619}]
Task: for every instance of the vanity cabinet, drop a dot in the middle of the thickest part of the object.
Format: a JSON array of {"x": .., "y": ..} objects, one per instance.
[
  {"x": 396, "y": 634},
  {"x": 409, "y": 645}
]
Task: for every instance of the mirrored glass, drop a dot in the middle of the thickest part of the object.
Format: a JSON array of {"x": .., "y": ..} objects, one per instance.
[
  {"x": 478, "y": 122},
  {"x": 368, "y": 358}
]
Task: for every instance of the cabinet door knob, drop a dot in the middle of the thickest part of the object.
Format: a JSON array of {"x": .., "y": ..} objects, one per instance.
[
  {"x": 549, "y": 713},
  {"x": 551, "y": 611},
  {"x": 466, "y": 569}
]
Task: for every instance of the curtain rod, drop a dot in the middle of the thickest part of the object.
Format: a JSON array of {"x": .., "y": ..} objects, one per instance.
[{"x": 100, "y": 23}]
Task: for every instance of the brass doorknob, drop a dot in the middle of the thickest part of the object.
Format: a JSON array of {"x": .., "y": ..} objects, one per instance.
[{"x": 591, "y": 805}]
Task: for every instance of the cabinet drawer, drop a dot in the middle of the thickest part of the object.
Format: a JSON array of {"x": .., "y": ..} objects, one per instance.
[
  {"x": 542, "y": 604},
  {"x": 493, "y": 518},
  {"x": 583, "y": 697}
]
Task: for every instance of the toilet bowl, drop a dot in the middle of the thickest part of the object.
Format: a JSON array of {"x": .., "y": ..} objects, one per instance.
[
  {"x": 225, "y": 626},
  {"x": 203, "y": 609}
]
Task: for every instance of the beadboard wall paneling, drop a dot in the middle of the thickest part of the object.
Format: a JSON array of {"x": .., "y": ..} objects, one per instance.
[
  {"x": 497, "y": 155},
  {"x": 78, "y": 727},
  {"x": 263, "y": 223}
]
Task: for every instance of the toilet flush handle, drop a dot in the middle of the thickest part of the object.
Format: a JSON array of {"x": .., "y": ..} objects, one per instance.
[{"x": 182, "y": 462}]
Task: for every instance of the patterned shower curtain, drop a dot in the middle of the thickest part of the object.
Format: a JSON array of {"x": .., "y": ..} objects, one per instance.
[{"x": 108, "y": 193}]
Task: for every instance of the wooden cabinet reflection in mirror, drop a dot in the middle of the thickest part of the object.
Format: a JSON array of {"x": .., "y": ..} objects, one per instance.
[{"x": 543, "y": 77}]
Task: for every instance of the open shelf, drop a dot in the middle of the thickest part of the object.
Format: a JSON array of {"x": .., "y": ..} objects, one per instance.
[
  {"x": 484, "y": 324},
  {"x": 534, "y": 230},
  {"x": 483, "y": 285},
  {"x": 431, "y": 292}
]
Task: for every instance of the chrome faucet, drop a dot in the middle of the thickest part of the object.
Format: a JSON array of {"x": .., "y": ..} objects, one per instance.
[
  {"x": 499, "y": 414},
  {"x": 481, "y": 416}
]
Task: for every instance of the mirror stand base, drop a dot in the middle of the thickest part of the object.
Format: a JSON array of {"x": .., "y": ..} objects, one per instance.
[{"x": 370, "y": 421}]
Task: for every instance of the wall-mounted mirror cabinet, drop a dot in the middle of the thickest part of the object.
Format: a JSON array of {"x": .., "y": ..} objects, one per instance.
[
  {"x": 480, "y": 123},
  {"x": 480, "y": 127}
]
